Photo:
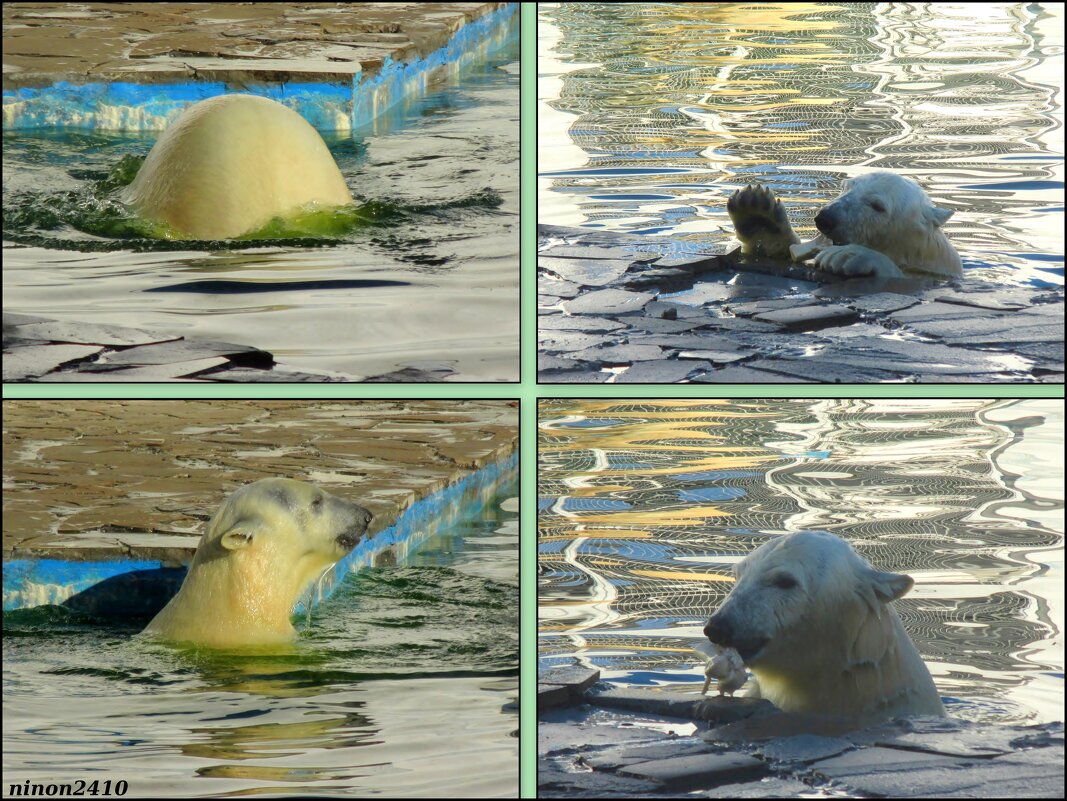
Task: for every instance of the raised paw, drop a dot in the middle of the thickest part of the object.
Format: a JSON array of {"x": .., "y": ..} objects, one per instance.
[
  {"x": 761, "y": 223},
  {"x": 855, "y": 260}
]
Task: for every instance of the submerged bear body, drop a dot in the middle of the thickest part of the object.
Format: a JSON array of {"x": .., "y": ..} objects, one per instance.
[{"x": 229, "y": 164}]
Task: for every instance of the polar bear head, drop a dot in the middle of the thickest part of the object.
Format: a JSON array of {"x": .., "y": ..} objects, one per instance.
[
  {"x": 876, "y": 210},
  {"x": 261, "y": 549},
  {"x": 801, "y": 582},
  {"x": 812, "y": 619}
]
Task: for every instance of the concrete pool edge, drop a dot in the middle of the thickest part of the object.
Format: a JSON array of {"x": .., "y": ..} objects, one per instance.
[
  {"x": 36, "y": 581},
  {"x": 335, "y": 100}
]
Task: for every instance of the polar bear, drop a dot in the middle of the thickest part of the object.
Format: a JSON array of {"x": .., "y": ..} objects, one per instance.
[
  {"x": 229, "y": 164},
  {"x": 881, "y": 225},
  {"x": 813, "y": 621},
  {"x": 262, "y": 548}
]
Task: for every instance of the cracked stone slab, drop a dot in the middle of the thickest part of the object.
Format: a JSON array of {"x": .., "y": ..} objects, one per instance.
[
  {"x": 33, "y": 361},
  {"x": 159, "y": 372},
  {"x": 614, "y": 758},
  {"x": 608, "y": 301},
  {"x": 879, "y": 358},
  {"x": 582, "y": 323},
  {"x": 734, "y": 374},
  {"x": 751, "y": 308},
  {"x": 695, "y": 262},
  {"x": 661, "y": 372},
  {"x": 674, "y": 311},
  {"x": 698, "y": 770},
  {"x": 658, "y": 325},
  {"x": 620, "y": 354},
  {"x": 586, "y": 272},
  {"x": 182, "y": 350},
  {"x": 881, "y": 302},
  {"x": 572, "y": 342},
  {"x": 810, "y": 318},
  {"x": 576, "y": 677},
  {"x": 595, "y": 252},
  {"x": 279, "y": 375},
  {"x": 572, "y": 377},
  {"x": 550, "y": 287},
  {"x": 716, "y": 356},
  {"x": 940, "y": 312}
]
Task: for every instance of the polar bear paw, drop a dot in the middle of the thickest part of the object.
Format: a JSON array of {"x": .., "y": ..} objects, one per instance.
[
  {"x": 760, "y": 222},
  {"x": 854, "y": 261}
]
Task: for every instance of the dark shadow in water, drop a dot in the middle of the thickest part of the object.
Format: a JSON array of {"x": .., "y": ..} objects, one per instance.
[{"x": 246, "y": 287}]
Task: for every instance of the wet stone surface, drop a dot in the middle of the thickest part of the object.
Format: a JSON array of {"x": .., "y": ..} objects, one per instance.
[
  {"x": 645, "y": 310},
  {"x": 240, "y": 43},
  {"x": 603, "y": 741},
  {"x": 41, "y": 350},
  {"x": 92, "y": 479}
]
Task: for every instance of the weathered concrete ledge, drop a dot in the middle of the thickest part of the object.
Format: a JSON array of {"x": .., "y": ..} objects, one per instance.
[
  {"x": 131, "y": 483},
  {"x": 132, "y": 66},
  {"x": 615, "y": 307},
  {"x": 37, "y": 349},
  {"x": 589, "y": 749}
]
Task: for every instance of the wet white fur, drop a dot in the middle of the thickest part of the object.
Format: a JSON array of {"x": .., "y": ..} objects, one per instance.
[
  {"x": 229, "y": 164},
  {"x": 253, "y": 562},
  {"x": 835, "y": 644}
]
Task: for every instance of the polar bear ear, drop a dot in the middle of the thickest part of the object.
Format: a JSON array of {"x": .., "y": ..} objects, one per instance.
[
  {"x": 239, "y": 535},
  {"x": 937, "y": 215},
  {"x": 890, "y": 586}
]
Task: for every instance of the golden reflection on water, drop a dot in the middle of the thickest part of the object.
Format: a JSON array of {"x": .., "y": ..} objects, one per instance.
[
  {"x": 667, "y": 107},
  {"x": 645, "y": 507}
]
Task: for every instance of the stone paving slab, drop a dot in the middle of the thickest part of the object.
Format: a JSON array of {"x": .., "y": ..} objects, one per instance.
[
  {"x": 96, "y": 479},
  {"x": 233, "y": 42},
  {"x": 639, "y": 744},
  {"x": 697, "y": 770},
  {"x": 771, "y": 324},
  {"x": 41, "y": 350}
]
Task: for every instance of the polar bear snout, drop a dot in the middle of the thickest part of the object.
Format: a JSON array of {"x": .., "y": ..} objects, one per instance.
[
  {"x": 720, "y": 631},
  {"x": 359, "y": 519},
  {"x": 827, "y": 221}
]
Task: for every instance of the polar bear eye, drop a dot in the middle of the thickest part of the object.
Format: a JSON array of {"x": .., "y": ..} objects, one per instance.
[
  {"x": 876, "y": 205},
  {"x": 785, "y": 582},
  {"x": 317, "y": 503}
]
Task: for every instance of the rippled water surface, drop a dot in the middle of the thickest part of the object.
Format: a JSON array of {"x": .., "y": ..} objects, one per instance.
[
  {"x": 427, "y": 277},
  {"x": 646, "y": 506},
  {"x": 651, "y": 114},
  {"x": 397, "y": 689}
]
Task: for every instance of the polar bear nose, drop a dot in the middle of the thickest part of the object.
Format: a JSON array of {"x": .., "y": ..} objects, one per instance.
[
  {"x": 719, "y": 630},
  {"x": 363, "y": 516},
  {"x": 824, "y": 221}
]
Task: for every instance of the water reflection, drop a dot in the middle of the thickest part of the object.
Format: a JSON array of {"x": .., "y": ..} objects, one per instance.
[
  {"x": 670, "y": 106},
  {"x": 645, "y": 506}
]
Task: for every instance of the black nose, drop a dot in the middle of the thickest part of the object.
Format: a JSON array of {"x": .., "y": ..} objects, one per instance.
[
  {"x": 363, "y": 517},
  {"x": 824, "y": 222},
  {"x": 719, "y": 631}
]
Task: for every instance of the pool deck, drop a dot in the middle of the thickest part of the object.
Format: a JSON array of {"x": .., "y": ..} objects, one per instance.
[
  {"x": 599, "y": 742},
  {"x": 622, "y": 308},
  {"x": 136, "y": 480},
  {"x": 234, "y": 46}
]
